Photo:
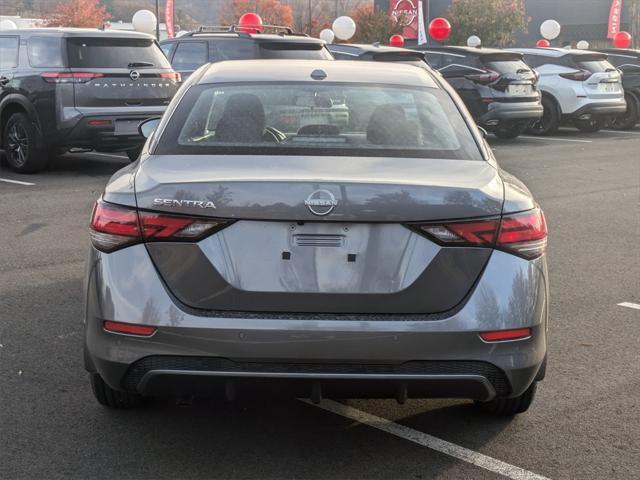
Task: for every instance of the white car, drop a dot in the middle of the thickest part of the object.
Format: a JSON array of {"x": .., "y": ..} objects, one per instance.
[{"x": 578, "y": 86}]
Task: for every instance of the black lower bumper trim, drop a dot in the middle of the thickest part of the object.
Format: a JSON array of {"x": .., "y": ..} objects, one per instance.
[{"x": 157, "y": 375}]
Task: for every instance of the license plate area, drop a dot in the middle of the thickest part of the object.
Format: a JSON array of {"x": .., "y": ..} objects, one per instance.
[
  {"x": 607, "y": 87},
  {"x": 520, "y": 90},
  {"x": 128, "y": 127}
]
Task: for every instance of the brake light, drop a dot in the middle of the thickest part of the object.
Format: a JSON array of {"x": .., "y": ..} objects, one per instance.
[
  {"x": 488, "y": 77},
  {"x": 523, "y": 234},
  {"x": 69, "y": 77},
  {"x": 129, "y": 329},
  {"x": 115, "y": 226},
  {"x": 502, "y": 335},
  {"x": 578, "y": 75},
  {"x": 175, "y": 76}
]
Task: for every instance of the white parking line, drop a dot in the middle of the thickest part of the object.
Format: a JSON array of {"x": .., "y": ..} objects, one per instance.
[
  {"x": 17, "y": 182},
  {"x": 635, "y": 306},
  {"x": 621, "y": 131},
  {"x": 429, "y": 441},
  {"x": 553, "y": 139}
]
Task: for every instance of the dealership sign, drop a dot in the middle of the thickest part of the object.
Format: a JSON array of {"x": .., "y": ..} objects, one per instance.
[
  {"x": 407, "y": 10},
  {"x": 615, "y": 15}
]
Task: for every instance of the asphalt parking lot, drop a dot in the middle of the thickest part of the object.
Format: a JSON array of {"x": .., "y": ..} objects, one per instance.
[{"x": 584, "y": 424}]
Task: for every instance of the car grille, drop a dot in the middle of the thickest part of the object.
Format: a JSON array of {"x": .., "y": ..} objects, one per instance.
[{"x": 492, "y": 373}]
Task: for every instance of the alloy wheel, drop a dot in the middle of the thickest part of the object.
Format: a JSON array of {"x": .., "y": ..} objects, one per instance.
[{"x": 17, "y": 144}]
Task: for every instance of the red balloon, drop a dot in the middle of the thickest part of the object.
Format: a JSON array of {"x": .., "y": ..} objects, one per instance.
[
  {"x": 251, "y": 22},
  {"x": 542, "y": 43},
  {"x": 622, "y": 40},
  {"x": 396, "y": 40},
  {"x": 439, "y": 29}
]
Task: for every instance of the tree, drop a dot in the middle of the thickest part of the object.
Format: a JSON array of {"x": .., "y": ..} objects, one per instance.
[
  {"x": 374, "y": 25},
  {"x": 272, "y": 12},
  {"x": 79, "y": 13},
  {"x": 494, "y": 21}
]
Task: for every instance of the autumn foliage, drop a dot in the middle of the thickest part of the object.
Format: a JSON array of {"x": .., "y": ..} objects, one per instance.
[
  {"x": 272, "y": 12},
  {"x": 494, "y": 21},
  {"x": 374, "y": 25},
  {"x": 79, "y": 13}
]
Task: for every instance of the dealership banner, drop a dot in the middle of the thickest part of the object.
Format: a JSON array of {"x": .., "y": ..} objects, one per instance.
[
  {"x": 408, "y": 10},
  {"x": 168, "y": 18},
  {"x": 615, "y": 15}
]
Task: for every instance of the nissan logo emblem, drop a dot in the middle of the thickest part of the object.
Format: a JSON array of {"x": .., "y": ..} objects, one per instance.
[
  {"x": 134, "y": 74},
  {"x": 321, "y": 202}
]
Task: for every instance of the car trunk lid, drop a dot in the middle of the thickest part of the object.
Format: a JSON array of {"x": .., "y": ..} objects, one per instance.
[{"x": 354, "y": 255}]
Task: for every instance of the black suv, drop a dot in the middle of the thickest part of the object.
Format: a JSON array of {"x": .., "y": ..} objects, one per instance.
[
  {"x": 217, "y": 43},
  {"x": 63, "y": 89},
  {"x": 628, "y": 62},
  {"x": 498, "y": 87}
]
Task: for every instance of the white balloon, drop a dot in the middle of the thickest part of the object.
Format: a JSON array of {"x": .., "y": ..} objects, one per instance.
[
  {"x": 474, "y": 41},
  {"x": 327, "y": 35},
  {"x": 550, "y": 29},
  {"x": 8, "y": 25},
  {"x": 583, "y": 45},
  {"x": 344, "y": 27},
  {"x": 144, "y": 21}
]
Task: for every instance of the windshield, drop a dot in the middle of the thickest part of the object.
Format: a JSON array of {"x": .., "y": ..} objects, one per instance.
[
  {"x": 109, "y": 52},
  {"x": 311, "y": 119}
]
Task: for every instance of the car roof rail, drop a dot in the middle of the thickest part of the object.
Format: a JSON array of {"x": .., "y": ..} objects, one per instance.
[{"x": 276, "y": 29}]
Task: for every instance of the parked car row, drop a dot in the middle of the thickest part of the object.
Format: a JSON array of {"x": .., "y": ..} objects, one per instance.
[{"x": 84, "y": 89}]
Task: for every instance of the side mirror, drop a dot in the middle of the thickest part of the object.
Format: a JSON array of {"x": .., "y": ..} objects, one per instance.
[{"x": 147, "y": 127}]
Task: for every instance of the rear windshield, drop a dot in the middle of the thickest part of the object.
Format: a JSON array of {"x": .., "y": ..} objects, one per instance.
[
  {"x": 109, "y": 52},
  {"x": 311, "y": 119},
  {"x": 300, "y": 51},
  {"x": 505, "y": 64},
  {"x": 594, "y": 64}
]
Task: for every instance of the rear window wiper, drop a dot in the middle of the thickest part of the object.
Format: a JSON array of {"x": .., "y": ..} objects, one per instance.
[{"x": 140, "y": 64}]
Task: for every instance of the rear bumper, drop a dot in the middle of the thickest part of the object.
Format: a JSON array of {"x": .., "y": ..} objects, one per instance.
[
  {"x": 609, "y": 107},
  {"x": 119, "y": 133},
  {"x": 512, "y": 111},
  {"x": 367, "y": 356}
]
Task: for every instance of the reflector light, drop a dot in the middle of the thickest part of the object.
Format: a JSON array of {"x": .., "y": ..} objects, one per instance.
[
  {"x": 502, "y": 335},
  {"x": 114, "y": 226},
  {"x": 129, "y": 329},
  {"x": 99, "y": 123}
]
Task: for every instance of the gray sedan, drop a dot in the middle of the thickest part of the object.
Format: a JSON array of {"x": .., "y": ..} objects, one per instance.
[{"x": 337, "y": 229}]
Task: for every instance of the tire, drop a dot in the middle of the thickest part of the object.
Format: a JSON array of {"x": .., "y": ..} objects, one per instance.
[
  {"x": 107, "y": 396},
  {"x": 550, "y": 121},
  {"x": 20, "y": 140},
  {"x": 592, "y": 125},
  {"x": 630, "y": 118},
  {"x": 508, "y": 131},
  {"x": 134, "y": 153},
  {"x": 509, "y": 406}
]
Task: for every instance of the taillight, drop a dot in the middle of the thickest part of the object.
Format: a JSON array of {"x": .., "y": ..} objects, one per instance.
[
  {"x": 114, "y": 227},
  {"x": 523, "y": 234},
  {"x": 487, "y": 77},
  {"x": 69, "y": 77},
  {"x": 175, "y": 76},
  {"x": 578, "y": 75}
]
